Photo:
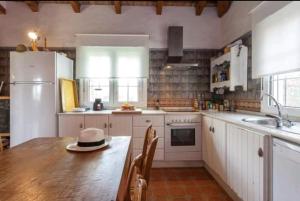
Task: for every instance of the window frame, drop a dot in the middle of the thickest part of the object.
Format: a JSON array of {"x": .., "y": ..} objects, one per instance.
[
  {"x": 269, "y": 109},
  {"x": 113, "y": 94}
]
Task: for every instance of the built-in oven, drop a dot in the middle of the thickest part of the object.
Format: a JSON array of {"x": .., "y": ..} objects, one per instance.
[{"x": 183, "y": 137}]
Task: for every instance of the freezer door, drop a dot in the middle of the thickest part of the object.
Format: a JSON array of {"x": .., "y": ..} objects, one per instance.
[
  {"x": 32, "y": 112},
  {"x": 32, "y": 66}
]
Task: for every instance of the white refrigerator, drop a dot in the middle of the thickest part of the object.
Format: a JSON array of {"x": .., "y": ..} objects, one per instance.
[{"x": 34, "y": 94}]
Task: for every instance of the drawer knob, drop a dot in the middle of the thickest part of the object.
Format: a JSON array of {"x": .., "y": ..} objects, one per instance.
[
  {"x": 148, "y": 121},
  {"x": 260, "y": 152}
]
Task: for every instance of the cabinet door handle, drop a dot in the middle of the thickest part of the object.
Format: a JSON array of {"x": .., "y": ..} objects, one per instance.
[
  {"x": 210, "y": 128},
  {"x": 80, "y": 125},
  {"x": 148, "y": 121},
  {"x": 260, "y": 152},
  {"x": 213, "y": 129},
  {"x": 110, "y": 125},
  {"x": 105, "y": 125}
]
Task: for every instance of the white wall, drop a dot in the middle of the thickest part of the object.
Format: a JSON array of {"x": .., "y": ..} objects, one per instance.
[
  {"x": 237, "y": 21},
  {"x": 59, "y": 23}
]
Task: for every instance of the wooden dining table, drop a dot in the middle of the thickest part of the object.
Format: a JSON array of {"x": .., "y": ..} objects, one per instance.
[{"x": 43, "y": 170}]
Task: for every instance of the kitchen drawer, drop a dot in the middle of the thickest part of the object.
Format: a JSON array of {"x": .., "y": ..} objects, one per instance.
[
  {"x": 146, "y": 120},
  {"x": 158, "y": 155},
  {"x": 139, "y": 132},
  {"x": 139, "y": 142}
]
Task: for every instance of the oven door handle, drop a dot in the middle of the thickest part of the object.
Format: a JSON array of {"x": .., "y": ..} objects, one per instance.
[{"x": 181, "y": 125}]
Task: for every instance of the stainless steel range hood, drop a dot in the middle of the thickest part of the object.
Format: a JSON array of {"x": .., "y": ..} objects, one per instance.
[{"x": 175, "y": 49}]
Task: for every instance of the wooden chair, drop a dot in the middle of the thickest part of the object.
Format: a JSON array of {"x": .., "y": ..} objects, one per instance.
[
  {"x": 149, "y": 136},
  {"x": 1, "y": 145},
  {"x": 140, "y": 189},
  {"x": 141, "y": 164}
]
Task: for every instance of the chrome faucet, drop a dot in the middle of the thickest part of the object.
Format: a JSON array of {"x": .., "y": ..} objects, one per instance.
[{"x": 279, "y": 119}]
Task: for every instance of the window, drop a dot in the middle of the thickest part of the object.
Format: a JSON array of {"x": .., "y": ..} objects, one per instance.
[
  {"x": 114, "y": 92},
  {"x": 286, "y": 89},
  {"x": 117, "y": 75}
]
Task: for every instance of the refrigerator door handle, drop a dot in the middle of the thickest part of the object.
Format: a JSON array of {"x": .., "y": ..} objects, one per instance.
[{"x": 32, "y": 83}]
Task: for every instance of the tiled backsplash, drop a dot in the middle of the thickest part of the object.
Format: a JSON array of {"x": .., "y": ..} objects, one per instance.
[
  {"x": 250, "y": 99},
  {"x": 178, "y": 87}
]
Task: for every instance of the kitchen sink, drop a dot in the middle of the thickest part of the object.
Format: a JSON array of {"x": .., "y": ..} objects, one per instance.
[{"x": 271, "y": 123}]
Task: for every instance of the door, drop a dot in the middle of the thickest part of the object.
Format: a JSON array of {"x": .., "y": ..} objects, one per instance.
[
  {"x": 71, "y": 125},
  {"x": 32, "y": 112},
  {"x": 120, "y": 125},
  {"x": 219, "y": 148},
  {"x": 245, "y": 163},
  {"x": 96, "y": 121},
  {"x": 183, "y": 137},
  {"x": 32, "y": 66},
  {"x": 206, "y": 142}
]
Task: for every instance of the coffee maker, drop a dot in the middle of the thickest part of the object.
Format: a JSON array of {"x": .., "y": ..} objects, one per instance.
[{"x": 98, "y": 105}]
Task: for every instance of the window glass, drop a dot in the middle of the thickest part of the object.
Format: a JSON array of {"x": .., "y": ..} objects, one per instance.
[
  {"x": 286, "y": 89},
  {"x": 99, "y": 88},
  {"x": 128, "y": 90}
]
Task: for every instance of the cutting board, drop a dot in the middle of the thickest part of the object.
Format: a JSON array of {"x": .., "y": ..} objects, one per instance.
[
  {"x": 119, "y": 111},
  {"x": 69, "y": 97}
]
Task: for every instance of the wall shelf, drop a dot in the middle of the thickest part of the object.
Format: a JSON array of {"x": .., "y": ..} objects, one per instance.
[{"x": 237, "y": 59}]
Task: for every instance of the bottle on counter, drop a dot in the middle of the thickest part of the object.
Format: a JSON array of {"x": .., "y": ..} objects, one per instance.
[{"x": 157, "y": 104}]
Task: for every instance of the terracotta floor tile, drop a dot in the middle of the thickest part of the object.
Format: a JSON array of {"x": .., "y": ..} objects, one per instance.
[{"x": 184, "y": 184}]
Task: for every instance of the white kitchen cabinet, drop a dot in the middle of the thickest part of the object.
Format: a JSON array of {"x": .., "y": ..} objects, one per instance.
[
  {"x": 96, "y": 121},
  {"x": 206, "y": 140},
  {"x": 140, "y": 125},
  {"x": 214, "y": 145},
  {"x": 146, "y": 120},
  {"x": 139, "y": 132},
  {"x": 245, "y": 163},
  {"x": 70, "y": 125},
  {"x": 120, "y": 125}
]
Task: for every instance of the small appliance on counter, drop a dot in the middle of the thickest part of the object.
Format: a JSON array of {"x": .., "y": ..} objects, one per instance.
[{"x": 98, "y": 105}]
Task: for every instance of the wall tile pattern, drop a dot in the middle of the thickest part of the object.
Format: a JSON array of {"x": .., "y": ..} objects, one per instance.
[{"x": 178, "y": 87}]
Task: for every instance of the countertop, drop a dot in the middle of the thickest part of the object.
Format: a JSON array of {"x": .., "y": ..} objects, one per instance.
[
  {"x": 144, "y": 112},
  {"x": 236, "y": 118}
]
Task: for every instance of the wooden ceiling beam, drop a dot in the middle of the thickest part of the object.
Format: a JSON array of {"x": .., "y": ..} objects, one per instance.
[
  {"x": 2, "y": 9},
  {"x": 33, "y": 5},
  {"x": 76, "y": 6},
  {"x": 199, "y": 7},
  {"x": 159, "y": 7},
  {"x": 223, "y": 7},
  {"x": 118, "y": 7}
]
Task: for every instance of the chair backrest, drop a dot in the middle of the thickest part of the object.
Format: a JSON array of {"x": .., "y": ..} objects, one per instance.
[
  {"x": 141, "y": 161},
  {"x": 149, "y": 135},
  {"x": 140, "y": 189},
  {"x": 148, "y": 159}
]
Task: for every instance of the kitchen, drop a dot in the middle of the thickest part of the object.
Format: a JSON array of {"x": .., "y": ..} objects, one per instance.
[{"x": 217, "y": 82}]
